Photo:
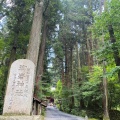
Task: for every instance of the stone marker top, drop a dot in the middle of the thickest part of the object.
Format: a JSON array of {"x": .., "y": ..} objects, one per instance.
[{"x": 19, "y": 93}]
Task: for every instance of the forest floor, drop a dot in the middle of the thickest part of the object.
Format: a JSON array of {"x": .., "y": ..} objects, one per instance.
[{"x": 52, "y": 113}]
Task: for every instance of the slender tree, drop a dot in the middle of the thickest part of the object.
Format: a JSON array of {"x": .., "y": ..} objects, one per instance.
[{"x": 105, "y": 94}]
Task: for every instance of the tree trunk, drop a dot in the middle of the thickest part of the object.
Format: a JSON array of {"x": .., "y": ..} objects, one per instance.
[
  {"x": 91, "y": 49},
  {"x": 15, "y": 44},
  {"x": 14, "y": 47},
  {"x": 34, "y": 42},
  {"x": 79, "y": 77},
  {"x": 62, "y": 74},
  {"x": 114, "y": 48},
  {"x": 71, "y": 82},
  {"x": 66, "y": 66},
  {"x": 101, "y": 6},
  {"x": 40, "y": 64},
  {"x": 88, "y": 54},
  {"x": 70, "y": 71},
  {"x": 105, "y": 95},
  {"x": 78, "y": 65},
  {"x": 12, "y": 55}
]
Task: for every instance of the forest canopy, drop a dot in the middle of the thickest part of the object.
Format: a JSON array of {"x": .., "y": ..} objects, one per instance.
[{"x": 77, "y": 51}]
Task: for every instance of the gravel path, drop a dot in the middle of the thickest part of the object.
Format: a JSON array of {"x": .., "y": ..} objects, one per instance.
[{"x": 53, "y": 113}]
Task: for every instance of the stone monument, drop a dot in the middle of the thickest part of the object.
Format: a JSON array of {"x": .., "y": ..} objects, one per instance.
[{"x": 19, "y": 93}]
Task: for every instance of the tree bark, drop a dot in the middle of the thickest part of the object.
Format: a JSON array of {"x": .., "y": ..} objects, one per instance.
[
  {"x": 12, "y": 55},
  {"x": 79, "y": 77},
  {"x": 15, "y": 43},
  {"x": 70, "y": 69},
  {"x": 62, "y": 73},
  {"x": 42, "y": 52},
  {"x": 114, "y": 48},
  {"x": 34, "y": 42},
  {"x": 105, "y": 95},
  {"x": 14, "y": 47},
  {"x": 79, "y": 65},
  {"x": 101, "y": 6},
  {"x": 88, "y": 54},
  {"x": 66, "y": 66},
  {"x": 40, "y": 65},
  {"x": 90, "y": 57}
]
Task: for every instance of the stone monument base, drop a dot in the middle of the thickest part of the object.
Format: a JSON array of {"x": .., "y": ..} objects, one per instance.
[{"x": 34, "y": 117}]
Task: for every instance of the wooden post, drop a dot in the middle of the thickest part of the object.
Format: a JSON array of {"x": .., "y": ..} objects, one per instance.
[{"x": 34, "y": 111}]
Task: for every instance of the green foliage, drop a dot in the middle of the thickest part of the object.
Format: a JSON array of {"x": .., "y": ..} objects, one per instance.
[
  {"x": 92, "y": 119},
  {"x": 3, "y": 79},
  {"x": 58, "y": 92},
  {"x": 69, "y": 22},
  {"x": 92, "y": 90},
  {"x": 59, "y": 88},
  {"x": 114, "y": 114},
  {"x": 83, "y": 113},
  {"x": 1, "y": 44},
  {"x": 14, "y": 33},
  {"x": 58, "y": 49},
  {"x": 113, "y": 71},
  {"x": 108, "y": 17}
]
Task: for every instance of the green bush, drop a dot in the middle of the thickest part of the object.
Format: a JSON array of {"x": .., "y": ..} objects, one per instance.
[
  {"x": 75, "y": 111},
  {"x": 83, "y": 113},
  {"x": 114, "y": 115}
]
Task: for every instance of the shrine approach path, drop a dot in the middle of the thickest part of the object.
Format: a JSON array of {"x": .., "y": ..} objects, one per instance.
[{"x": 53, "y": 113}]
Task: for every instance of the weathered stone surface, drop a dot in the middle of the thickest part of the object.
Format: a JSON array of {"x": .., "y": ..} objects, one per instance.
[
  {"x": 19, "y": 93},
  {"x": 36, "y": 117}
]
